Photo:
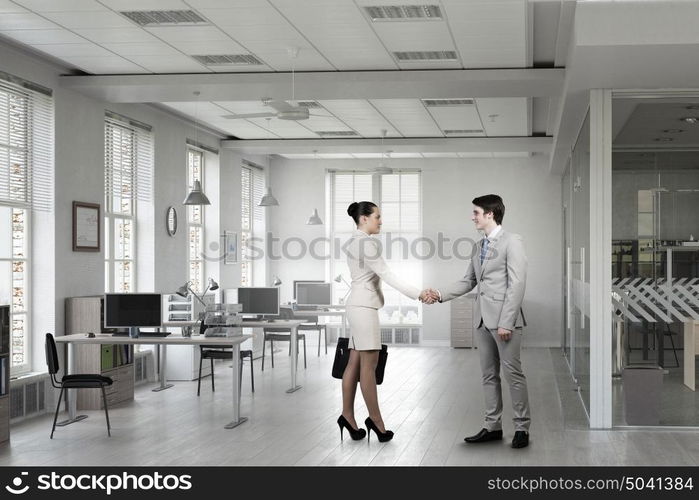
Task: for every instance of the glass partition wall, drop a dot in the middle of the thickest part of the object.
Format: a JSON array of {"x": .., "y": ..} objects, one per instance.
[
  {"x": 655, "y": 258},
  {"x": 576, "y": 203}
]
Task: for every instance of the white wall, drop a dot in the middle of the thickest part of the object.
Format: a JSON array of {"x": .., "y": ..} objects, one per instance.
[
  {"x": 79, "y": 176},
  {"x": 533, "y": 209}
]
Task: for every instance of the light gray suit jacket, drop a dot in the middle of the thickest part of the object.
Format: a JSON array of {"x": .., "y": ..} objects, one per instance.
[
  {"x": 367, "y": 269},
  {"x": 499, "y": 282}
]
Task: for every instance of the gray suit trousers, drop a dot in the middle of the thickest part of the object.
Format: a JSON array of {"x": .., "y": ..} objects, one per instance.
[{"x": 493, "y": 352}]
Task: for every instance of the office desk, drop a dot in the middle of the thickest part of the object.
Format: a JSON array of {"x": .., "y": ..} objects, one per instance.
[
  {"x": 691, "y": 349},
  {"x": 326, "y": 312},
  {"x": 162, "y": 342},
  {"x": 293, "y": 326}
]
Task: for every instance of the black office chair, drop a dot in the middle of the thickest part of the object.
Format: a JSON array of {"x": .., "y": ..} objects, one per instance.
[
  {"x": 311, "y": 325},
  {"x": 77, "y": 381},
  {"x": 282, "y": 334},
  {"x": 213, "y": 352}
]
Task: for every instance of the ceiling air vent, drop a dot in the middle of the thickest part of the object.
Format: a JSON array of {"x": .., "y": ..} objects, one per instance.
[
  {"x": 165, "y": 17},
  {"x": 337, "y": 133},
  {"x": 378, "y": 13},
  {"x": 309, "y": 104},
  {"x": 430, "y": 55},
  {"x": 461, "y": 132},
  {"x": 228, "y": 60},
  {"x": 434, "y": 103}
]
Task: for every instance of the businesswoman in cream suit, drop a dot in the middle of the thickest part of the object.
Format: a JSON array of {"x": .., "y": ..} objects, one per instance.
[{"x": 367, "y": 269}]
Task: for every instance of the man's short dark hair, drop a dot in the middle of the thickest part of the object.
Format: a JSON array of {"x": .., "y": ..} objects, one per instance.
[{"x": 491, "y": 203}]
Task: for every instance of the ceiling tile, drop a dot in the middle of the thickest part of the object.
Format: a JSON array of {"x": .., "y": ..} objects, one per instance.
[
  {"x": 117, "y": 35},
  {"x": 361, "y": 116},
  {"x": 260, "y": 14},
  {"x": 128, "y": 5},
  {"x": 61, "y": 5},
  {"x": 24, "y": 21},
  {"x": 241, "y": 107},
  {"x": 415, "y": 36},
  {"x": 221, "y": 4},
  {"x": 208, "y": 47},
  {"x": 173, "y": 34},
  {"x": 409, "y": 116},
  {"x": 170, "y": 64},
  {"x": 89, "y": 20},
  {"x": 44, "y": 36},
  {"x": 105, "y": 65},
  {"x": 63, "y": 50},
  {"x": 456, "y": 117},
  {"x": 504, "y": 117},
  {"x": 155, "y": 48},
  {"x": 6, "y": 6},
  {"x": 285, "y": 128}
]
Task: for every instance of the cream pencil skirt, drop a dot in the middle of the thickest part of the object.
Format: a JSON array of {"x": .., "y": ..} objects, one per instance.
[{"x": 365, "y": 334}]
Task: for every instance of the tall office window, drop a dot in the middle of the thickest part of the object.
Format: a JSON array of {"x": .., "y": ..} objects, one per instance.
[
  {"x": 252, "y": 224},
  {"x": 398, "y": 195},
  {"x": 26, "y": 186},
  {"x": 128, "y": 165},
  {"x": 195, "y": 221}
]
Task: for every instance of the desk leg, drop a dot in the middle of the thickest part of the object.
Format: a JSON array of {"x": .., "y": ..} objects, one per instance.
[
  {"x": 294, "y": 358},
  {"x": 690, "y": 345},
  {"x": 237, "y": 419},
  {"x": 71, "y": 396},
  {"x": 163, "y": 369},
  {"x": 344, "y": 324}
]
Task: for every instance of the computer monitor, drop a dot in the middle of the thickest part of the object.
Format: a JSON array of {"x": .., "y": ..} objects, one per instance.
[
  {"x": 296, "y": 282},
  {"x": 314, "y": 294},
  {"x": 132, "y": 310},
  {"x": 259, "y": 300}
]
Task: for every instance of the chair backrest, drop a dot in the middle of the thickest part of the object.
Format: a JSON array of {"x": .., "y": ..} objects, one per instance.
[
  {"x": 51, "y": 354},
  {"x": 286, "y": 313}
]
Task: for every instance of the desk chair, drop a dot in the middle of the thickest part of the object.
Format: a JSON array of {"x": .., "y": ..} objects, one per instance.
[
  {"x": 223, "y": 352},
  {"x": 77, "y": 381},
  {"x": 282, "y": 334},
  {"x": 311, "y": 324}
]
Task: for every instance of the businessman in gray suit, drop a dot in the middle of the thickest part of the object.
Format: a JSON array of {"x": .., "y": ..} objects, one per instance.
[{"x": 498, "y": 272}]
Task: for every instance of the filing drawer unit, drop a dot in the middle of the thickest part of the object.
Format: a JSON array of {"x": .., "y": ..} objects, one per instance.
[{"x": 462, "y": 321}]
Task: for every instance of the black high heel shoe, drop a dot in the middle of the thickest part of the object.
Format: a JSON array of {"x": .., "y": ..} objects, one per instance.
[
  {"x": 383, "y": 436},
  {"x": 355, "y": 434}
]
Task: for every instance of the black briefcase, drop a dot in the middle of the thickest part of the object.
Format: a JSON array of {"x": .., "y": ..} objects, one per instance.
[{"x": 342, "y": 357}]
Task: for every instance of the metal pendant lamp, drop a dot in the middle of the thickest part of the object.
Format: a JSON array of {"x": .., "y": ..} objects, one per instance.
[{"x": 196, "y": 196}]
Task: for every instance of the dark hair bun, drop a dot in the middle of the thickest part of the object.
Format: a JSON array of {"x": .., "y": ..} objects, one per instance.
[
  {"x": 357, "y": 209},
  {"x": 352, "y": 209}
]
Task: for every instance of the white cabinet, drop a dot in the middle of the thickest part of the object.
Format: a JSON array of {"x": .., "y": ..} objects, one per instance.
[{"x": 462, "y": 321}]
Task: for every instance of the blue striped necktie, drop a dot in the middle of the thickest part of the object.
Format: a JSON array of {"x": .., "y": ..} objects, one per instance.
[{"x": 484, "y": 249}]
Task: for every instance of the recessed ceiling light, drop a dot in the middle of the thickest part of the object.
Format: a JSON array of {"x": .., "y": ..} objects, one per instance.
[
  {"x": 663, "y": 139},
  {"x": 673, "y": 131},
  {"x": 690, "y": 119}
]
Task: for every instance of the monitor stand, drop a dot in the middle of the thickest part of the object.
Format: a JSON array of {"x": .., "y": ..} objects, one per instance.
[{"x": 134, "y": 332}]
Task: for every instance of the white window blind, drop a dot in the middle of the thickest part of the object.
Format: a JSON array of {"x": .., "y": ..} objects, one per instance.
[
  {"x": 128, "y": 158},
  {"x": 128, "y": 165},
  {"x": 195, "y": 221},
  {"x": 26, "y": 147},
  {"x": 252, "y": 223},
  {"x": 399, "y": 197}
]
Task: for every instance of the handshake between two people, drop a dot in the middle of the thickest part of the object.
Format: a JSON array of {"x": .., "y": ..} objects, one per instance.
[{"x": 429, "y": 296}]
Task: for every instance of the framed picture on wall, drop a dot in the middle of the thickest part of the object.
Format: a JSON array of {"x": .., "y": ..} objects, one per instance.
[
  {"x": 230, "y": 247},
  {"x": 86, "y": 227}
]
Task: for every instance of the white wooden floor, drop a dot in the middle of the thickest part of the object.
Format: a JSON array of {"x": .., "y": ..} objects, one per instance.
[{"x": 431, "y": 398}]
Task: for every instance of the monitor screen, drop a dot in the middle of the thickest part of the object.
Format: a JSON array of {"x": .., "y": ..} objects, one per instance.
[
  {"x": 259, "y": 300},
  {"x": 314, "y": 294},
  {"x": 123, "y": 310},
  {"x": 296, "y": 282}
]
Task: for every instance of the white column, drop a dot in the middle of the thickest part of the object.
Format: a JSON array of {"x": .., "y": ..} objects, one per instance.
[{"x": 600, "y": 258}]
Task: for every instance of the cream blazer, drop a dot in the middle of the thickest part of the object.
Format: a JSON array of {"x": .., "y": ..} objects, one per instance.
[{"x": 367, "y": 269}]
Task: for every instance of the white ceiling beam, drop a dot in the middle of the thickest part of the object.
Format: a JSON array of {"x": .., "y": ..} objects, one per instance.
[
  {"x": 395, "y": 145},
  {"x": 445, "y": 84}
]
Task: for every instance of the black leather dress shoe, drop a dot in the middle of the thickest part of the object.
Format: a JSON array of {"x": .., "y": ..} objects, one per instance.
[
  {"x": 521, "y": 439},
  {"x": 483, "y": 436}
]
